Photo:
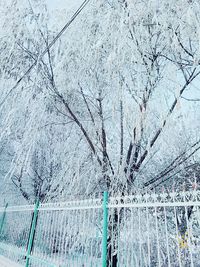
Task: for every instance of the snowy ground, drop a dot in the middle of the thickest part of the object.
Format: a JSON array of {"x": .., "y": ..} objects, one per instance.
[{"x": 4, "y": 262}]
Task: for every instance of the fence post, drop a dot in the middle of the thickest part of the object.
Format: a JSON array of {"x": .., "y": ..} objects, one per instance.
[
  {"x": 105, "y": 229},
  {"x": 3, "y": 219},
  {"x": 31, "y": 237}
]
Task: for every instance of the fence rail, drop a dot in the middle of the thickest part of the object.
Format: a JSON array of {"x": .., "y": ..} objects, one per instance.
[{"x": 138, "y": 230}]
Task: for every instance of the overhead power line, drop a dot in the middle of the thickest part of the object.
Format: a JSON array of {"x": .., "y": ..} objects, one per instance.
[{"x": 78, "y": 11}]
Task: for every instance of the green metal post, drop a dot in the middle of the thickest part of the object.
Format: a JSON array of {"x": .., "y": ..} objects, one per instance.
[
  {"x": 105, "y": 228},
  {"x": 3, "y": 219},
  {"x": 33, "y": 226}
]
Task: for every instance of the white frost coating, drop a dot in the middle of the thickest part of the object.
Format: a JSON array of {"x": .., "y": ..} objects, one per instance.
[
  {"x": 105, "y": 55},
  {"x": 4, "y": 262},
  {"x": 67, "y": 231}
]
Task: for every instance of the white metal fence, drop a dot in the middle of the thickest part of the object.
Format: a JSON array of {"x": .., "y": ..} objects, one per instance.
[
  {"x": 143, "y": 231},
  {"x": 158, "y": 230}
]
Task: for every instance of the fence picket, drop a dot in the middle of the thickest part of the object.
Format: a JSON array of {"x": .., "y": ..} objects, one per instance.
[
  {"x": 105, "y": 229},
  {"x": 32, "y": 233},
  {"x": 3, "y": 219},
  {"x": 146, "y": 232}
]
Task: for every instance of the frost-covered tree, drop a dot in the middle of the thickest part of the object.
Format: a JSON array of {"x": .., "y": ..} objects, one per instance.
[
  {"x": 111, "y": 105},
  {"x": 132, "y": 74}
]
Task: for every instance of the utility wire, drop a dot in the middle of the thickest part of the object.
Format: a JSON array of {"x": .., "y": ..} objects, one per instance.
[{"x": 78, "y": 11}]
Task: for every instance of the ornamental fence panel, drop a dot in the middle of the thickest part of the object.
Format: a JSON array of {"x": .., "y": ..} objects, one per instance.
[
  {"x": 144, "y": 230},
  {"x": 64, "y": 234},
  {"x": 156, "y": 229}
]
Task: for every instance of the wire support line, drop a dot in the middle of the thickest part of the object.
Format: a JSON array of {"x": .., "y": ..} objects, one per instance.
[{"x": 78, "y": 11}]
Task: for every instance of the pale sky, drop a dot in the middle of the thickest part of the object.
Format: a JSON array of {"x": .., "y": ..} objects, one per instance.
[
  {"x": 65, "y": 4},
  {"x": 61, "y": 10}
]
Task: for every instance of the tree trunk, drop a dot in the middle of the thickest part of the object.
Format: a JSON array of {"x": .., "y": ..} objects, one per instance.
[{"x": 112, "y": 252}]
